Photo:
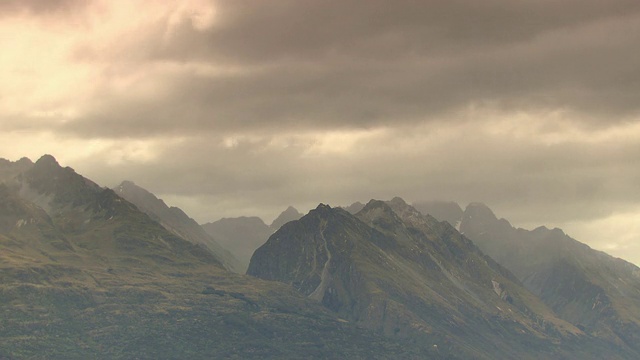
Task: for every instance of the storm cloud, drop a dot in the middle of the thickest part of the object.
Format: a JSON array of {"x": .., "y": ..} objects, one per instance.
[{"x": 230, "y": 108}]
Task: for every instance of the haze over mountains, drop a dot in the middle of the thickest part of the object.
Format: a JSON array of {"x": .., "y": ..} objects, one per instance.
[
  {"x": 243, "y": 235},
  {"x": 87, "y": 273},
  {"x": 595, "y": 291},
  {"x": 176, "y": 221}
]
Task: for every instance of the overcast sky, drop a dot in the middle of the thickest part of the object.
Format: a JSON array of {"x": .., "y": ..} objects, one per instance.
[{"x": 229, "y": 108}]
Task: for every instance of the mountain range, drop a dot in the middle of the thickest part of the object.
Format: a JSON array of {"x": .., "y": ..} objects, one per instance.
[
  {"x": 597, "y": 292},
  {"x": 86, "y": 275},
  {"x": 91, "y": 272},
  {"x": 400, "y": 273}
]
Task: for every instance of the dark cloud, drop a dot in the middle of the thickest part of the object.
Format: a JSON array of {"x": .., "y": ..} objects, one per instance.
[
  {"x": 39, "y": 7},
  {"x": 354, "y": 64},
  {"x": 279, "y": 30}
]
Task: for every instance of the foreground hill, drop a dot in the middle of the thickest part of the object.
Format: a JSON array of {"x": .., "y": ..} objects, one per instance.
[
  {"x": 177, "y": 222},
  {"x": 85, "y": 275},
  {"x": 405, "y": 275},
  {"x": 598, "y": 293}
]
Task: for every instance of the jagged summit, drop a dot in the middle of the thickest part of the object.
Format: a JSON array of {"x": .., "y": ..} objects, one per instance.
[
  {"x": 320, "y": 207},
  {"x": 411, "y": 215},
  {"x": 9, "y": 170},
  {"x": 322, "y": 212},
  {"x": 547, "y": 231},
  {"x": 380, "y": 213}
]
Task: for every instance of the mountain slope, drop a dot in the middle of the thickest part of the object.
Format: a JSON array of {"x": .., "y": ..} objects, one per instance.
[
  {"x": 598, "y": 293},
  {"x": 405, "y": 275},
  {"x": 86, "y": 275},
  {"x": 176, "y": 221}
]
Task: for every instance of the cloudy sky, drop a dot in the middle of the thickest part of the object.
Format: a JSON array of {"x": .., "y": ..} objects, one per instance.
[{"x": 238, "y": 107}]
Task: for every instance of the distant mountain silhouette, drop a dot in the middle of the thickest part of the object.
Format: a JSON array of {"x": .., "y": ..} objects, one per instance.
[
  {"x": 290, "y": 214},
  {"x": 355, "y": 207},
  {"x": 598, "y": 293},
  {"x": 240, "y": 235}
]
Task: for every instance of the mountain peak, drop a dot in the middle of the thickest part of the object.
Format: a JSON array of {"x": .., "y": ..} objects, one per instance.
[
  {"x": 376, "y": 204},
  {"x": 47, "y": 160},
  {"x": 355, "y": 207},
  {"x": 289, "y": 214},
  {"x": 380, "y": 214},
  {"x": 320, "y": 206},
  {"x": 397, "y": 201},
  {"x": 479, "y": 210},
  {"x": 322, "y": 210},
  {"x": 25, "y": 161}
]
